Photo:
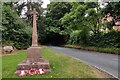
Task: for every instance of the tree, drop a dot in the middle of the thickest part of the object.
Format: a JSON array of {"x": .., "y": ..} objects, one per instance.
[
  {"x": 15, "y": 31},
  {"x": 113, "y": 8},
  {"x": 55, "y": 11},
  {"x": 94, "y": 14}
]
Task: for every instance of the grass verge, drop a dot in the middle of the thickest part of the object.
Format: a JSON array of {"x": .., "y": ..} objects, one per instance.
[
  {"x": 98, "y": 49},
  {"x": 62, "y": 66}
]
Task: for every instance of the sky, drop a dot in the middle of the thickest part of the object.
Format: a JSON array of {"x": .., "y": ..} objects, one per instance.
[
  {"x": 45, "y": 2},
  {"x": 44, "y": 5}
]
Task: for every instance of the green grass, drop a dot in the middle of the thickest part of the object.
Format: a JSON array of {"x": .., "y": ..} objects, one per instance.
[{"x": 62, "y": 66}]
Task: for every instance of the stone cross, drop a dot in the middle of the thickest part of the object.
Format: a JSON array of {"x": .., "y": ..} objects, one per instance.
[{"x": 34, "y": 33}]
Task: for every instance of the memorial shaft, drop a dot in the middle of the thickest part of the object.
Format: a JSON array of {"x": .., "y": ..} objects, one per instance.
[{"x": 34, "y": 33}]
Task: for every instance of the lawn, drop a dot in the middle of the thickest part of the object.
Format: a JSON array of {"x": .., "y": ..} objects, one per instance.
[{"x": 62, "y": 66}]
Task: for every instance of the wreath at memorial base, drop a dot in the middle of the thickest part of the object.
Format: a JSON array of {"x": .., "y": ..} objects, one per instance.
[{"x": 32, "y": 71}]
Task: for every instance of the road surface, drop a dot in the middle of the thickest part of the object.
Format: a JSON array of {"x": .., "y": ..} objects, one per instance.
[{"x": 103, "y": 61}]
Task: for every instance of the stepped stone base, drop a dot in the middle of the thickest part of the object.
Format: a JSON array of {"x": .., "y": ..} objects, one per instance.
[{"x": 34, "y": 60}]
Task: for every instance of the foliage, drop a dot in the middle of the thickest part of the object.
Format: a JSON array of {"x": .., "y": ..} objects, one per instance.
[
  {"x": 110, "y": 39},
  {"x": 53, "y": 32},
  {"x": 81, "y": 24},
  {"x": 19, "y": 7},
  {"x": 82, "y": 17},
  {"x": 15, "y": 31},
  {"x": 74, "y": 37},
  {"x": 113, "y": 8},
  {"x": 79, "y": 37},
  {"x": 74, "y": 20},
  {"x": 54, "y": 28}
]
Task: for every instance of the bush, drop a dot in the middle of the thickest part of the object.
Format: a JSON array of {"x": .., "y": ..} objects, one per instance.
[
  {"x": 74, "y": 37},
  {"x": 15, "y": 31},
  {"x": 110, "y": 39},
  {"x": 79, "y": 37}
]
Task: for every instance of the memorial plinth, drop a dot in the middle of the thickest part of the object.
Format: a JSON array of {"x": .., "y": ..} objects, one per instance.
[{"x": 34, "y": 58}]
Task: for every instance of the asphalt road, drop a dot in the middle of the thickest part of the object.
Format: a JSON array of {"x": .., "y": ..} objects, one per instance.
[{"x": 103, "y": 61}]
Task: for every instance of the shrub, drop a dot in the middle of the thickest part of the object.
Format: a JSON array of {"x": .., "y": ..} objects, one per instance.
[
  {"x": 15, "y": 31},
  {"x": 110, "y": 39}
]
